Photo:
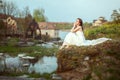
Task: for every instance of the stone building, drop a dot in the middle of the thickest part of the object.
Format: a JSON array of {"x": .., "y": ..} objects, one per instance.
[
  {"x": 99, "y": 21},
  {"x": 49, "y": 28}
]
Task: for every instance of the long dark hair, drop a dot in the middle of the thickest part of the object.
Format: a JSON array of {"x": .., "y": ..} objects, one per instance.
[{"x": 81, "y": 23}]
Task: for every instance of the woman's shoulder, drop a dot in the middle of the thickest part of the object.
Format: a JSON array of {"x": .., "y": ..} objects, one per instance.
[{"x": 80, "y": 26}]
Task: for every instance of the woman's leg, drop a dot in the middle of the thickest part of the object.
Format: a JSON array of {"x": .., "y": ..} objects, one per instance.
[
  {"x": 63, "y": 45},
  {"x": 67, "y": 46}
]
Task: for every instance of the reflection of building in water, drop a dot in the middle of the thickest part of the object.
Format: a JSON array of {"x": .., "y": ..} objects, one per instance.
[
  {"x": 49, "y": 28},
  {"x": 99, "y": 22}
]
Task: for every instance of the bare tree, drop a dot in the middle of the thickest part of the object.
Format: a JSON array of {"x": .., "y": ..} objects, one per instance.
[
  {"x": 1, "y": 6},
  {"x": 9, "y": 8},
  {"x": 26, "y": 11}
]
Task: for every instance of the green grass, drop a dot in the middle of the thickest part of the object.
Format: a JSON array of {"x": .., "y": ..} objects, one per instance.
[
  {"x": 107, "y": 30},
  {"x": 104, "y": 60},
  {"x": 37, "y": 75},
  {"x": 13, "y": 74},
  {"x": 12, "y": 49},
  {"x": 35, "y": 51},
  {"x": 30, "y": 75}
]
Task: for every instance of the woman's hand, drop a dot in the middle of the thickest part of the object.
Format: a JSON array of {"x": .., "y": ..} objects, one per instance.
[
  {"x": 75, "y": 24},
  {"x": 72, "y": 31}
]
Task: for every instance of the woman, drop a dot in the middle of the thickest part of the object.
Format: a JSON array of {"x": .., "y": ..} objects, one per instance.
[{"x": 76, "y": 37}]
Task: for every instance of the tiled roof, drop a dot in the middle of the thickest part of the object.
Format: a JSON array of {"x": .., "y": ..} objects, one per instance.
[{"x": 47, "y": 25}]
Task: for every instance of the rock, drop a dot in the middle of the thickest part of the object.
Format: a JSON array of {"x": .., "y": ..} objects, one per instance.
[
  {"x": 28, "y": 57},
  {"x": 30, "y": 43},
  {"x": 56, "y": 77},
  {"x": 86, "y": 58},
  {"x": 26, "y": 65},
  {"x": 21, "y": 55},
  {"x": 25, "y": 43},
  {"x": 90, "y": 62},
  {"x": 23, "y": 76},
  {"x": 1, "y": 54},
  {"x": 21, "y": 44}
]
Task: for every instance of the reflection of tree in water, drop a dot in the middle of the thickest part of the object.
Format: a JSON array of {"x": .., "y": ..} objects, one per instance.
[{"x": 33, "y": 30}]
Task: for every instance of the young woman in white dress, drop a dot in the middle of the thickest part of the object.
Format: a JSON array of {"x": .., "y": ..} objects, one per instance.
[{"x": 76, "y": 37}]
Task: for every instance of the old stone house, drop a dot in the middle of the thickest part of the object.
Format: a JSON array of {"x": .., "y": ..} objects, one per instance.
[
  {"x": 99, "y": 21},
  {"x": 49, "y": 28}
]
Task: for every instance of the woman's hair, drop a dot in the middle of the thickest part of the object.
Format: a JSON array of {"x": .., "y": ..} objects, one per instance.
[{"x": 81, "y": 22}]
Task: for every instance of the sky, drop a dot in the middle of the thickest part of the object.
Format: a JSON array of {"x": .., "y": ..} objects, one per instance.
[{"x": 69, "y": 10}]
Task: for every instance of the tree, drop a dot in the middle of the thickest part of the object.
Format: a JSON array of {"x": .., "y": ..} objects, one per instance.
[
  {"x": 9, "y": 8},
  {"x": 87, "y": 25},
  {"x": 24, "y": 19},
  {"x": 115, "y": 15},
  {"x": 39, "y": 16},
  {"x": 1, "y": 6}
]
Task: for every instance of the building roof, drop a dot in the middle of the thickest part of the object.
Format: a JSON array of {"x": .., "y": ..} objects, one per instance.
[
  {"x": 4, "y": 16},
  {"x": 47, "y": 25}
]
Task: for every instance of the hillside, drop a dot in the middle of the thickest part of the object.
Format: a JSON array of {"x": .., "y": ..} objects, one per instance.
[{"x": 107, "y": 30}]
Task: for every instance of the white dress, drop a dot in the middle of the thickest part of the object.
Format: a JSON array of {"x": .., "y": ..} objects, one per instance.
[{"x": 78, "y": 39}]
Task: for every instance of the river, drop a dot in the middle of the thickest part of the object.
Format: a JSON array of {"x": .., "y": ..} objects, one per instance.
[
  {"x": 42, "y": 65},
  {"x": 63, "y": 33}
]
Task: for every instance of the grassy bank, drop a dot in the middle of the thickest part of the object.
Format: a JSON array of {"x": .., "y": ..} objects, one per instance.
[
  {"x": 35, "y": 51},
  {"x": 106, "y": 30},
  {"x": 10, "y": 47},
  {"x": 46, "y": 76}
]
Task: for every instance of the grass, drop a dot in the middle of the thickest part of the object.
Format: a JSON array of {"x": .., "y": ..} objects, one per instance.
[
  {"x": 104, "y": 60},
  {"x": 11, "y": 74},
  {"x": 36, "y": 51},
  {"x": 107, "y": 30},
  {"x": 37, "y": 75},
  {"x": 32, "y": 50},
  {"x": 30, "y": 75}
]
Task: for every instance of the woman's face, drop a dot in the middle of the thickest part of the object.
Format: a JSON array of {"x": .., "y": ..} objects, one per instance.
[{"x": 77, "y": 22}]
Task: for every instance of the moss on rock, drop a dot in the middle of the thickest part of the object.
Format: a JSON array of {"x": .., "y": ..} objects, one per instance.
[{"x": 99, "y": 62}]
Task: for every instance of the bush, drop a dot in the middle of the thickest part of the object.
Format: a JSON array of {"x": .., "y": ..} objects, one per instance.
[{"x": 46, "y": 38}]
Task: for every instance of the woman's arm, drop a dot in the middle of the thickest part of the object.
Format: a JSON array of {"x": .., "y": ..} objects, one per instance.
[
  {"x": 73, "y": 27},
  {"x": 76, "y": 29}
]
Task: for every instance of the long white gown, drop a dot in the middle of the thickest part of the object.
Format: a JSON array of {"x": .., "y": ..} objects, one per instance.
[{"x": 78, "y": 39}]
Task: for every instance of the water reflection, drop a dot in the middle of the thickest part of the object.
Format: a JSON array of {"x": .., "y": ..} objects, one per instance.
[{"x": 43, "y": 65}]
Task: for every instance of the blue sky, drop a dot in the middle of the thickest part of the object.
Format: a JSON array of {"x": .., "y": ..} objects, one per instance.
[{"x": 69, "y": 10}]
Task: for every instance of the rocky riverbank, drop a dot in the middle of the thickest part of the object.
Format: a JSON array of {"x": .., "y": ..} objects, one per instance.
[
  {"x": 19, "y": 78},
  {"x": 99, "y": 62}
]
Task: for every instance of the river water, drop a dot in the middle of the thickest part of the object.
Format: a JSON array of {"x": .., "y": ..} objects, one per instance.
[
  {"x": 63, "y": 33},
  {"x": 43, "y": 65}
]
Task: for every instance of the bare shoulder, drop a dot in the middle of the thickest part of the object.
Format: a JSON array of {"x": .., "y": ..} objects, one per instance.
[{"x": 79, "y": 26}]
